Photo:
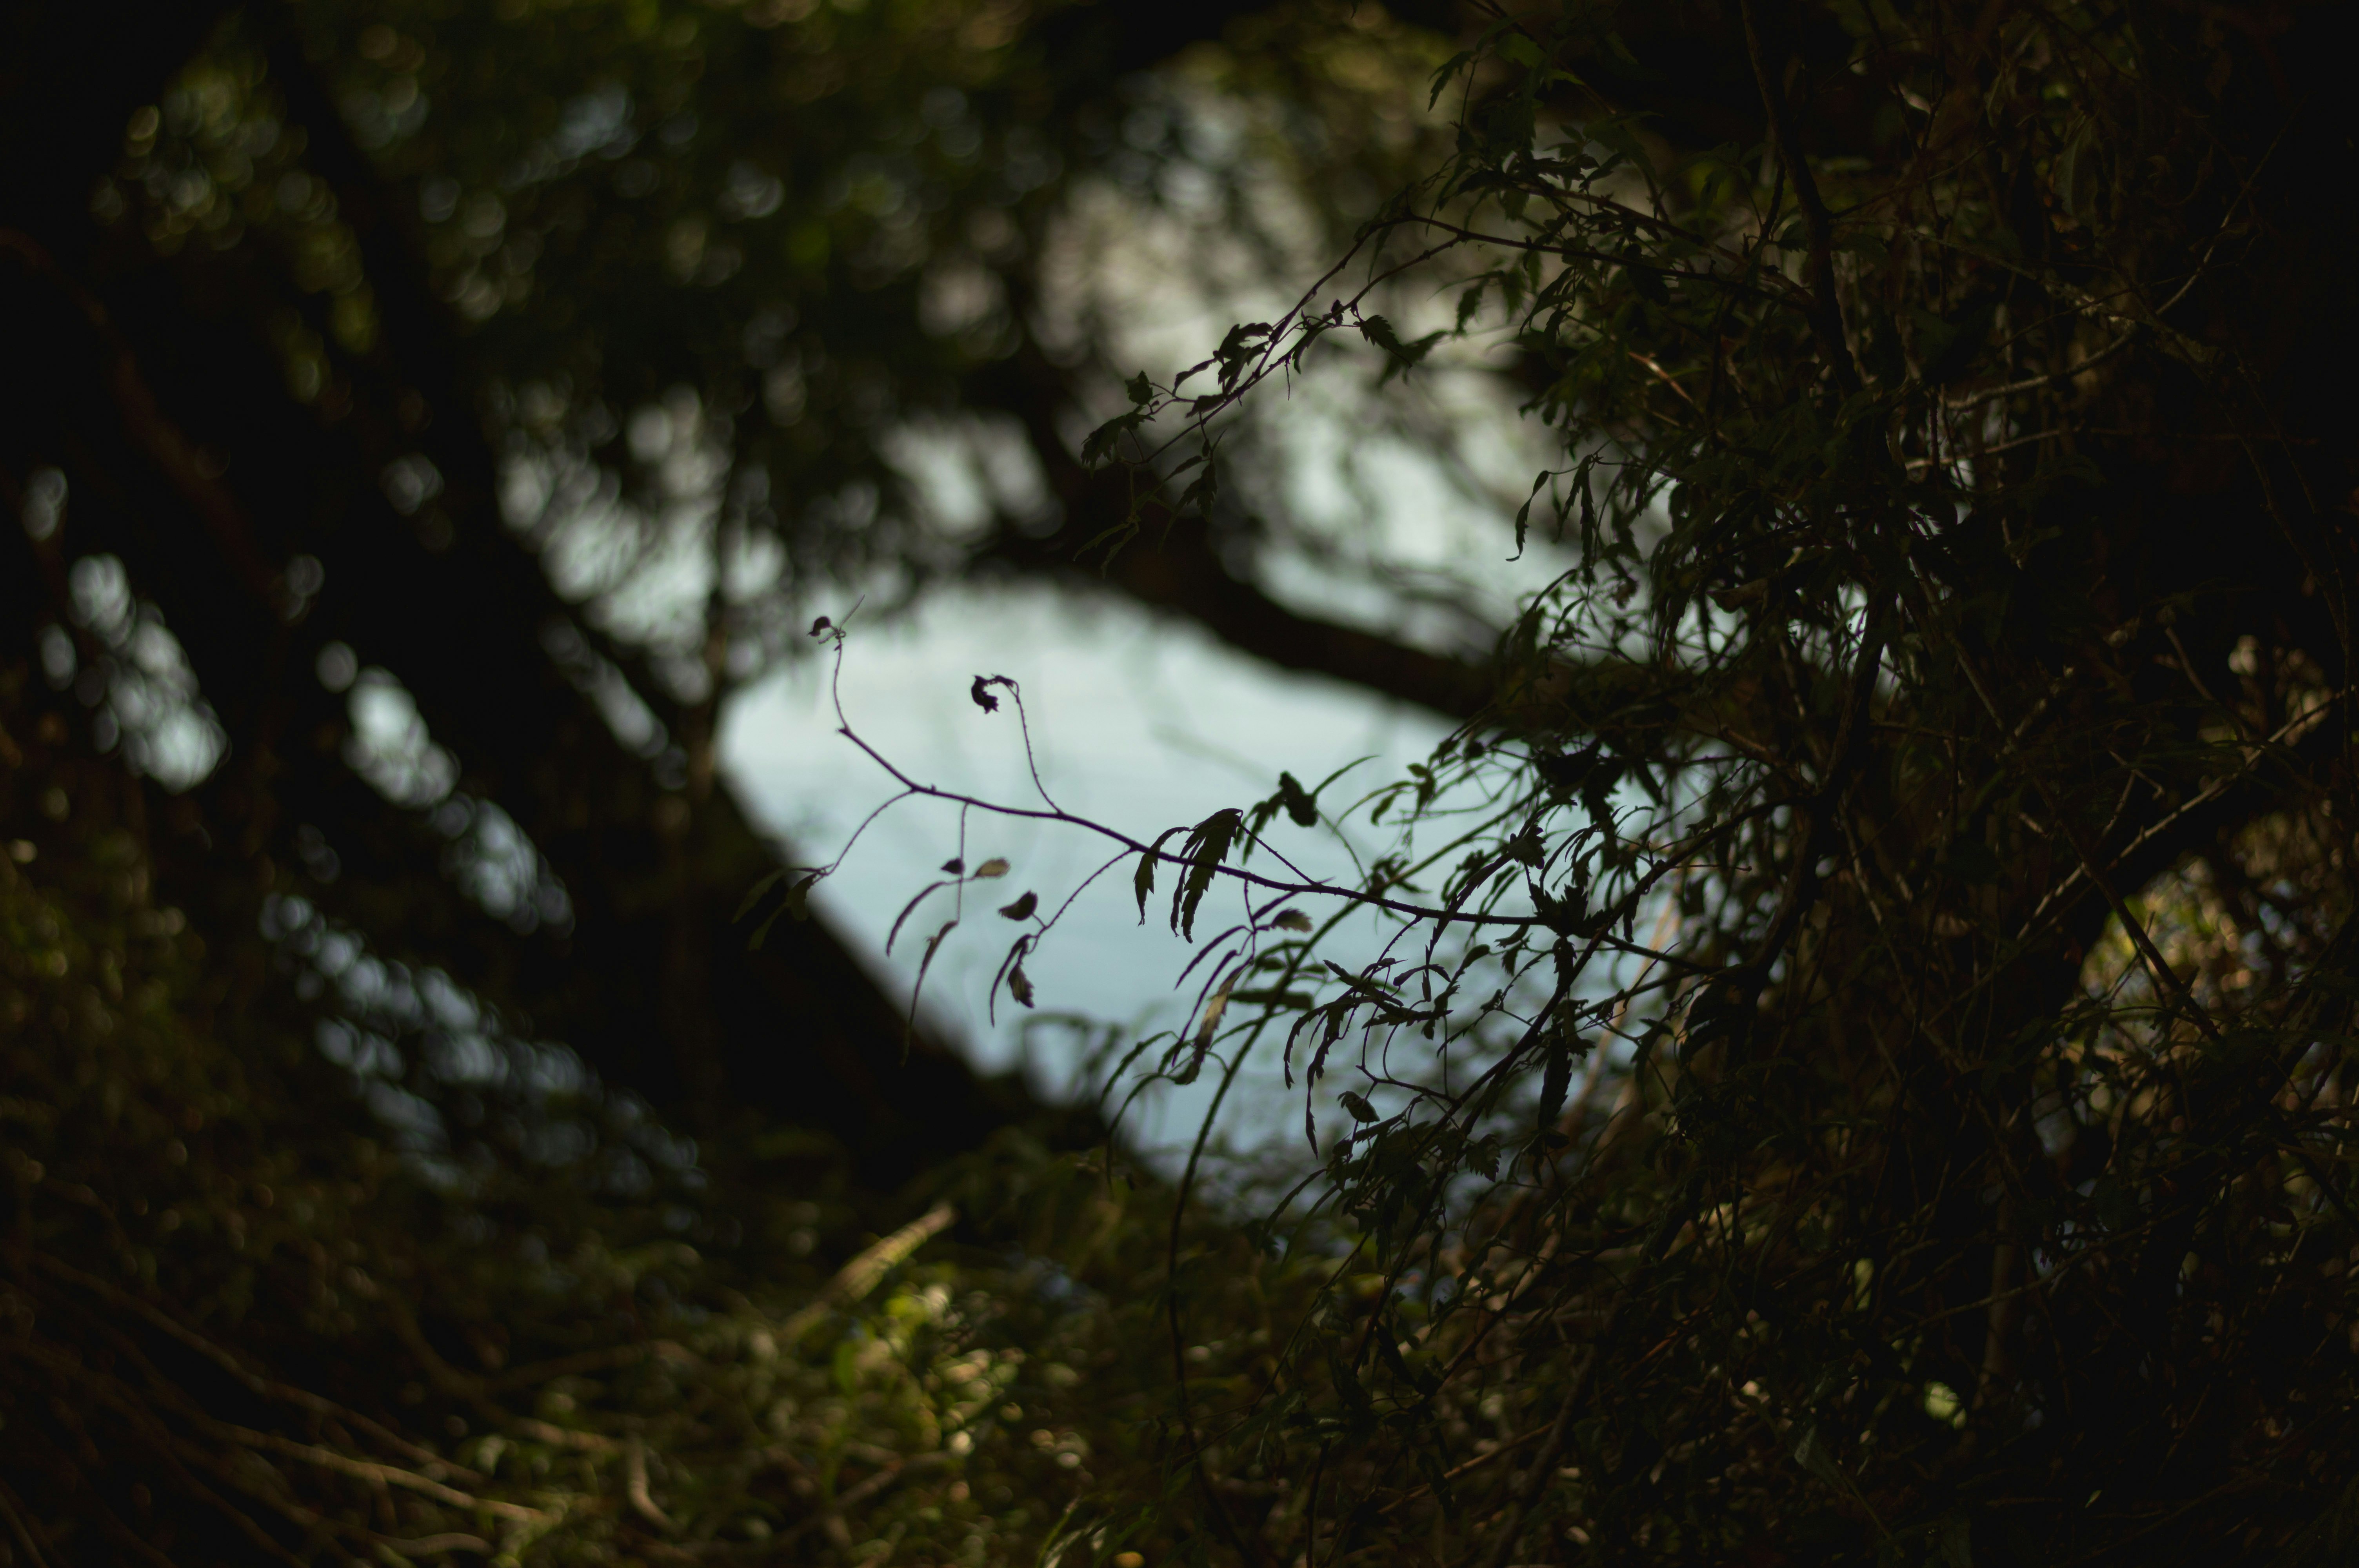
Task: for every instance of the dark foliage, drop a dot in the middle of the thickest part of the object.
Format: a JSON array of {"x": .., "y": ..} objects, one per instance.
[{"x": 1854, "y": 1065}]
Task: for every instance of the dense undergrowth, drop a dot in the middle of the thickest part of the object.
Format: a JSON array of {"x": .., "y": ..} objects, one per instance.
[{"x": 250, "y": 1317}]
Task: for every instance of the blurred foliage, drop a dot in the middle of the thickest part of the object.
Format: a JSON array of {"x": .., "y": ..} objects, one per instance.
[
  {"x": 1948, "y": 675},
  {"x": 319, "y": 1255},
  {"x": 244, "y": 1323},
  {"x": 717, "y": 266}
]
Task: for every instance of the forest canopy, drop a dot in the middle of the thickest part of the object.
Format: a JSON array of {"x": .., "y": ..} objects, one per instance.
[{"x": 1839, "y": 1055}]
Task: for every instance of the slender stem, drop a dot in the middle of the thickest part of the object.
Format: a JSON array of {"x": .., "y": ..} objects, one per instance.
[
  {"x": 1246, "y": 1546},
  {"x": 1826, "y": 312}
]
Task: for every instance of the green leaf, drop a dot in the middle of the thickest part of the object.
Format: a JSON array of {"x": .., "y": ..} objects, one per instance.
[
  {"x": 1450, "y": 67},
  {"x": 1470, "y": 302},
  {"x": 1518, "y": 50},
  {"x": 1022, "y": 908},
  {"x": 754, "y": 894},
  {"x": 798, "y": 899}
]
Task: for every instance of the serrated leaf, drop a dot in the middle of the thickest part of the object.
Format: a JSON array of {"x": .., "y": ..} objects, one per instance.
[
  {"x": 1377, "y": 330},
  {"x": 1099, "y": 444},
  {"x": 1208, "y": 843},
  {"x": 1139, "y": 389},
  {"x": 1555, "y": 1079},
  {"x": 1292, "y": 920},
  {"x": 1469, "y": 303},
  {"x": 1144, "y": 879},
  {"x": 1201, "y": 492},
  {"x": 1362, "y": 1111},
  {"x": 1215, "y": 1005},
  {"x": 1450, "y": 67}
]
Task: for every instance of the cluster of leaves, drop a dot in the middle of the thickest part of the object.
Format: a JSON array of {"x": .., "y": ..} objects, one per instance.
[
  {"x": 285, "y": 1280},
  {"x": 1896, "y": 1210},
  {"x": 1948, "y": 673},
  {"x": 735, "y": 254}
]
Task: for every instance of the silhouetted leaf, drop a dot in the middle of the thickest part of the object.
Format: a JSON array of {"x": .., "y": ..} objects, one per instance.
[
  {"x": 1208, "y": 843},
  {"x": 1143, "y": 880},
  {"x": 1300, "y": 808}
]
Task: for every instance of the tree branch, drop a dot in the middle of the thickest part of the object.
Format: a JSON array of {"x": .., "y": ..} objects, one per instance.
[{"x": 1826, "y": 311}]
